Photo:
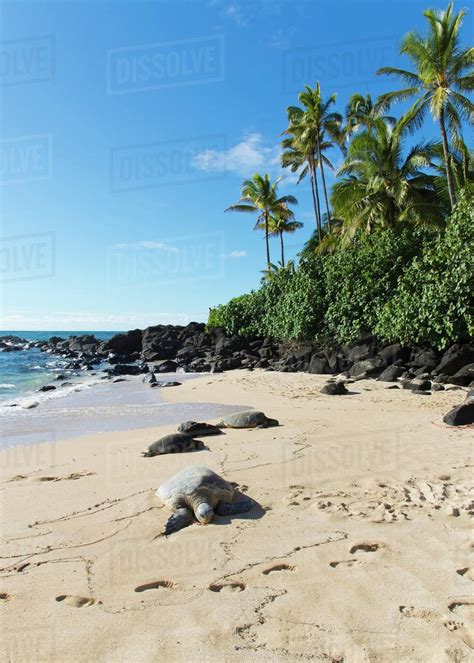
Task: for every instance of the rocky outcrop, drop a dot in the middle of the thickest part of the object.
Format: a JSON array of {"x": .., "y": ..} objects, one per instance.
[
  {"x": 193, "y": 348},
  {"x": 125, "y": 344}
]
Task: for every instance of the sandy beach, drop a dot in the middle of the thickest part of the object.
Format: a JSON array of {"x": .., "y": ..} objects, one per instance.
[{"x": 359, "y": 548}]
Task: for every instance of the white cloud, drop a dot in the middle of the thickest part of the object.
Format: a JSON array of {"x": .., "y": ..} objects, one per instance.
[
  {"x": 236, "y": 254},
  {"x": 282, "y": 38},
  {"x": 244, "y": 158},
  {"x": 157, "y": 246},
  {"x": 235, "y": 13}
]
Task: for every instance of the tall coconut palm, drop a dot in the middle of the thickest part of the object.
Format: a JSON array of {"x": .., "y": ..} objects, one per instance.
[
  {"x": 259, "y": 195},
  {"x": 381, "y": 186},
  {"x": 280, "y": 224},
  {"x": 462, "y": 169},
  {"x": 317, "y": 128},
  {"x": 299, "y": 155},
  {"x": 361, "y": 113},
  {"x": 443, "y": 71}
]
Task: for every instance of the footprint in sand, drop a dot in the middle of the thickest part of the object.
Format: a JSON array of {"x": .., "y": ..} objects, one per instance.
[
  {"x": 467, "y": 572},
  {"x": 417, "y": 613},
  {"x": 5, "y": 596},
  {"x": 157, "y": 584},
  {"x": 296, "y": 496},
  {"x": 365, "y": 547},
  {"x": 466, "y": 633},
  {"x": 344, "y": 562},
  {"x": 464, "y": 608},
  {"x": 278, "y": 567},
  {"x": 70, "y": 477},
  {"x": 75, "y": 601},
  {"x": 227, "y": 587}
]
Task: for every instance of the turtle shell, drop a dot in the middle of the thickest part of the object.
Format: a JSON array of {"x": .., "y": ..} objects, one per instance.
[
  {"x": 246, "y": 419},
  {"x": 169, "y": 444},
  {"x": 195, "y": 484}
]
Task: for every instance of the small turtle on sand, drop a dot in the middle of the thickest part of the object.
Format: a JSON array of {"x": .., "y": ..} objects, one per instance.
[
  {"x": 247, "y": 419},
  {"x": 173, "y": 444},
  {"x": 197, "y": 492},
  {"x": 198, "y": 429}
]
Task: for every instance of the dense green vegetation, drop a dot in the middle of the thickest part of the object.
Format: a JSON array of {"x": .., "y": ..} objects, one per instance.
[
  {"x": 393, "y": 254},
  {"x": 403, "y": 284}
]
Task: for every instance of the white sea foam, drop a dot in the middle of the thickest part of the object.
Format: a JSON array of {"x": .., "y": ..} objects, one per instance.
[{"x": 6, "y": 385}]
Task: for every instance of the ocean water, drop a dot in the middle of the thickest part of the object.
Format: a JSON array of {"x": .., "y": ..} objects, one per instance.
[
  {"x": 89, "y": 405},
  {"x": 22, "y": 373}
]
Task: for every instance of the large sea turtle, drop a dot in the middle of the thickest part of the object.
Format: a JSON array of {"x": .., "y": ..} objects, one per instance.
[
  {"x": 198, "y": 429},
  {"x": 197, "y": 492},
  {"x": 247, "y": 419},
  {"x": 173, "y": 444}
]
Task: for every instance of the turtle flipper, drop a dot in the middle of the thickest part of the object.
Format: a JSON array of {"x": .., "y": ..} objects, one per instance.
[
  {"x": 233, "y": 508},
  {"x": 181, "y": 518}
]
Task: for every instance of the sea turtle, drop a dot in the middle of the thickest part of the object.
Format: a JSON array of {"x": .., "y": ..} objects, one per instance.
[
  {"x": 198, "y": 429},
  {"x": 247, "y": 419},
  {"x": 173, "y": 444},
  {"x": 197, "y": 492}
]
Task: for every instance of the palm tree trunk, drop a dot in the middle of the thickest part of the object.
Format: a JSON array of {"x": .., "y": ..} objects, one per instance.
[
  {"x": 324, "y": 186},
  {"x": 315, "y": 194},
  {"x": 267, "y": 243},
  {"x": 316, "y": 189},
  {"x": 282, "y": 250},
  {"x": 449, "y": 176}
]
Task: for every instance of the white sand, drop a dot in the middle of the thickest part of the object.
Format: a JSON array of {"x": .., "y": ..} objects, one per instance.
[{"x": 353, "y": 555}]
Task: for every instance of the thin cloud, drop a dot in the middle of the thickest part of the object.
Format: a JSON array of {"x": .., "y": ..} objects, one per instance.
[
  {"x": 236, "y": 254},
  {"x": 282, "y": 39},
  {"x": 156, "y": 246},
  {"x": 235, "y": 13}
]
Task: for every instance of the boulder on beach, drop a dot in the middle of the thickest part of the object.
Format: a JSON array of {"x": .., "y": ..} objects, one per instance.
[
  {"x": 390, "y": 374},
  {"x": 461, "y": 415},
  {"x": 368, "y": 367}
]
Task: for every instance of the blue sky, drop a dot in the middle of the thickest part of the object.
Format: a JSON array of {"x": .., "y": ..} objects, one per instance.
[{"x": 127, "y": 129}]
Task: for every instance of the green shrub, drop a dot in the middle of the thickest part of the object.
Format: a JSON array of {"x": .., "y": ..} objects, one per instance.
[
  {"x": 434, "y": 300},
  {"x": 295, "y": 305},
  {"x": 360, "y": 279},
  {"x": 241, "y": 315}
]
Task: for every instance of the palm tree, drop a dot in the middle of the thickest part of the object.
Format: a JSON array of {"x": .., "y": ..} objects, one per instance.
[
  {"x": 259, "y": 195},
  {"x": 280, "y": 224},
  {"x": 361, "y": 113},
  {"x": 315, "y": 129},
  {"x": 381, "y": 186},
  {"x": 461, "y": 166},
  {"x": 443, "y": 70},
  {"x": 299, "y": 155}
]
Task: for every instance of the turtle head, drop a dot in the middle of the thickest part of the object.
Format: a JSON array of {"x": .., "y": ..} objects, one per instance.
[
  {"x": 272, "y": 422},
  {"x": 204, "y": 513}
]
